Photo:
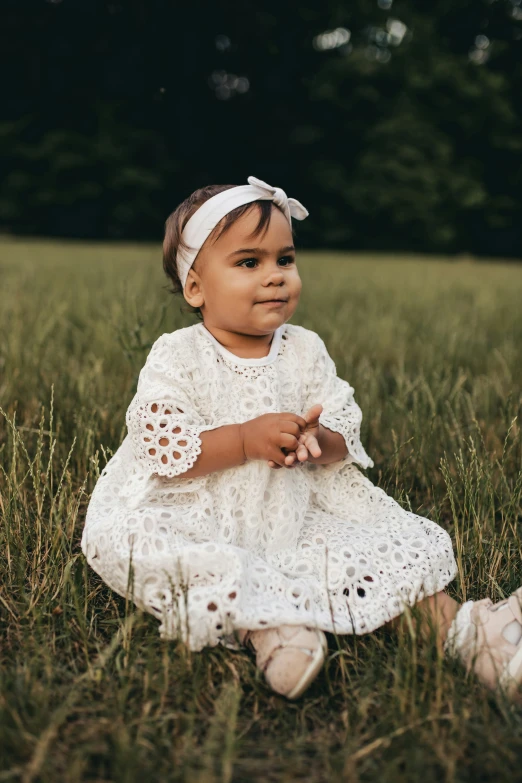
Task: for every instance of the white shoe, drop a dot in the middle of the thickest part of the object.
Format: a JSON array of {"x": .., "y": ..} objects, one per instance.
[
  {"x": 290, "y": 656},
  {"x": 494, "y": 650}
]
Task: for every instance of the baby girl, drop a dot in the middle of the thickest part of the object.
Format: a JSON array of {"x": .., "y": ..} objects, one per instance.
[{"x": 236, "y": 510}]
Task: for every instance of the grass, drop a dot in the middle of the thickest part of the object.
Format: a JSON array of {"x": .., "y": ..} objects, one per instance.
[{"x": 88, "y": 691}]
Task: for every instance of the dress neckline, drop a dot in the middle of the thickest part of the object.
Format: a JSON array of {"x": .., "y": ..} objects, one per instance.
[{"x": 250, "y": 362}]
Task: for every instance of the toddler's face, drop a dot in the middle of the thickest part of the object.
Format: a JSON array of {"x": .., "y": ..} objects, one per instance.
[{"x": 238, "y": 272}]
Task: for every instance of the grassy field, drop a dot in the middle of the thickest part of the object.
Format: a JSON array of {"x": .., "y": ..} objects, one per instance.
[{"x": 88, "y": 691}]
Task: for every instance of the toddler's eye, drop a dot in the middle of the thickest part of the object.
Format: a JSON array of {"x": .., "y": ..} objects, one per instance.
[{"x": 287, "y": 259}]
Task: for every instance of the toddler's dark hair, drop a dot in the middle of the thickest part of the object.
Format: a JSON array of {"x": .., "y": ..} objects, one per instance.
[{"x": 178, "y": 219}]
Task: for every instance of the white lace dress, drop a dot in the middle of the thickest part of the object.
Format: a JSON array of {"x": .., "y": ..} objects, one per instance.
[{"x": 251, "y": 546}]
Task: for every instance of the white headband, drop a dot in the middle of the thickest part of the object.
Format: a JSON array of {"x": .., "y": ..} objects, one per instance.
[{"x": 206, "y": 218}]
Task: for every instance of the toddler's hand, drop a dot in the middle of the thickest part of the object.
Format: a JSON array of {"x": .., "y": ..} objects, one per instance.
[
  {"x": 272, "y": 436},
  {"x": 308, "y": 443}
]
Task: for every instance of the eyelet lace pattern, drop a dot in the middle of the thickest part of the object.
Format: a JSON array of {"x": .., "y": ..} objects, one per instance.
[{"x": 252, "y": 547}]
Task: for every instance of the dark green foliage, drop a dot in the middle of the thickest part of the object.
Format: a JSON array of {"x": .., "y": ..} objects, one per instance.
[{"x": 393, "y": 141}]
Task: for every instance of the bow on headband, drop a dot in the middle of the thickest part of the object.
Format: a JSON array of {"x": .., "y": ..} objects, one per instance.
[
  {"x": 290, "y": 206},
  {"x": 206, "y": 218}
]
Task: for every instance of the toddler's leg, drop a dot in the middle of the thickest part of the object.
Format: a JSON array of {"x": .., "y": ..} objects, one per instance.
[
  {"x": 437, "y": 613},
  {"x": 290, "y": 656}
]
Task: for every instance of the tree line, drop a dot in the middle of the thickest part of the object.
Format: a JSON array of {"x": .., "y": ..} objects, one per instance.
[{"x": 396, "y": 122}]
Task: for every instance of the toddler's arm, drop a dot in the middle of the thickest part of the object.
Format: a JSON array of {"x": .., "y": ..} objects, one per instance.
[
  {"x": 221, "y": 448},
  {"x": 341, "y": 414},
  {"x": 263, "y": 437}
]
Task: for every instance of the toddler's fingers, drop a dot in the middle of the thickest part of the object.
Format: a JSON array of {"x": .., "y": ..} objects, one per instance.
[
  {"x": 288, "y": 464},
  {"x": 313, "y": 413},
  {"x": 302, "y": 452},
  {"x": 313, "y": 446},
  {"x": 300, "y": 421}
]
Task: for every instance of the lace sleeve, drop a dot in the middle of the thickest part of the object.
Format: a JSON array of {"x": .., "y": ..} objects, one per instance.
[
  {"x": 340, "y": 411},
  {"x": 163, "y": 423}
]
